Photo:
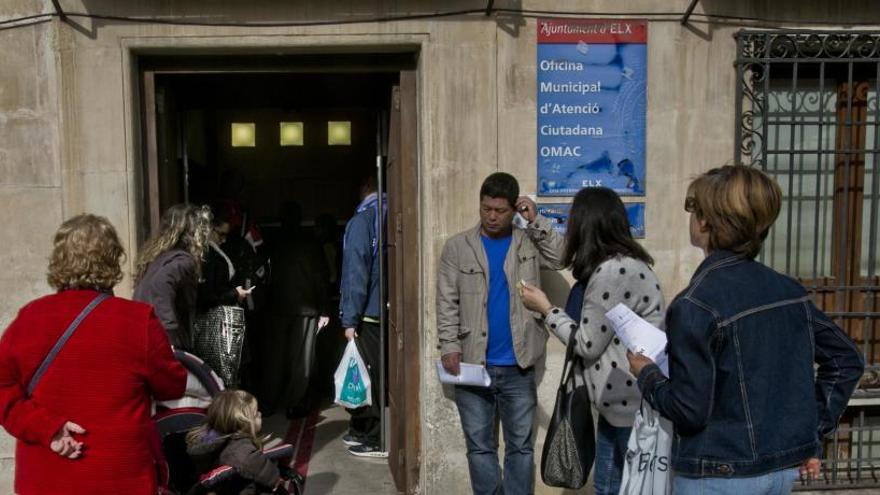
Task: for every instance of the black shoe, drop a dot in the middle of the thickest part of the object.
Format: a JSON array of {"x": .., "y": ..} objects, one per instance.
[{"x": 367, "y": 450}]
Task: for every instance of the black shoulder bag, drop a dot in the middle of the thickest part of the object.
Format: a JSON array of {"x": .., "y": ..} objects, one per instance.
[{"x": 570, "y": 444}]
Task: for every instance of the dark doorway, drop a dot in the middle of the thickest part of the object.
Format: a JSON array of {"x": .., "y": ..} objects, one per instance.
[{"x": 194, "y": 110}]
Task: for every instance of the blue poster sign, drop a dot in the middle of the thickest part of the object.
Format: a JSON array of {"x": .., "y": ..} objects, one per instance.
[
  {"x": 592, "y": 94},
  {"x": 558, "y": 213}
]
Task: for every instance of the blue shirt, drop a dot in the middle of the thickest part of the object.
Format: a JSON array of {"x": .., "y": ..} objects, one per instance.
[{"x": 499, "y": 352}]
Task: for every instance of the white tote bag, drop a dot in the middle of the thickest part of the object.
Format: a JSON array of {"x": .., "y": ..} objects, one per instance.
[
  {"x": 352, "y": 379},
  {"x": 647, "y": 469}
]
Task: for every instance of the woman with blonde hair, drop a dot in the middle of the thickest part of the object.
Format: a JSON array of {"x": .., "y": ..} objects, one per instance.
[
  {"x": 231, "y": 436},
  {"x": 78, "y": 372},
  {"x": 758, "y": 375},
  {"x": 168, "y": 268}
]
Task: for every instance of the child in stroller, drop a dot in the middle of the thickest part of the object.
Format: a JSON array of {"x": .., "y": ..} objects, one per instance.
[{"x": 176, "y": 419}]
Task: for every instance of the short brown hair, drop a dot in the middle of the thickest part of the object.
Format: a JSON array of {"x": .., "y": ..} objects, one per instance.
[
  {"x": 86, "y": 253},
  {"x": 739, "y": 205}
]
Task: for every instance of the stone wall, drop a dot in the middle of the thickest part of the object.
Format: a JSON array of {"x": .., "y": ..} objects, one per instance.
[{"x": 69, "y": 132}]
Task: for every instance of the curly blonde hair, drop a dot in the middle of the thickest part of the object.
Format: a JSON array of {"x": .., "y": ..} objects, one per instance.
[
  {"x": 86, "y": 253},
  {"x": 184, "y": 226}
]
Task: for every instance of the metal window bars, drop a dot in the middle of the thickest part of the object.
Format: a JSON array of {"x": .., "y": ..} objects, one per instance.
[{"x": 807, "y": 114}]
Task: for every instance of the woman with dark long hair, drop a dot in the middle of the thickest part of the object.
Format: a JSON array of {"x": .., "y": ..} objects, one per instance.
[{"x": 610, "y": 267}]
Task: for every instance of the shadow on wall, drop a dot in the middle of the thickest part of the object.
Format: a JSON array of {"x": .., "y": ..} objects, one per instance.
[
  {"x": 759, "y": 14},
  {"x": 269, "y": 11},
  {"x": 785, "y": 13},
  {"x": 556, "y": 286}
]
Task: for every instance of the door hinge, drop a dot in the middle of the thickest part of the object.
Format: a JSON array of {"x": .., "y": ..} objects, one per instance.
[
  {"x": 395, "y": 99},
  {"x": 399, "y": 341},
  {"x": 399, "y": 222}
]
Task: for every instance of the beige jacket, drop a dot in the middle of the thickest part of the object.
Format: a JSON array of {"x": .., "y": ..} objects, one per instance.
[{"x": 463, "y": 286}]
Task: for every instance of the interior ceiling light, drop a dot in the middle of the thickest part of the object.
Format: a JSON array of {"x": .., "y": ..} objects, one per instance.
[
  {"x": 339, "y": 133},
  {"x": 291, "y": 133},
  {"x": 244, "y": 134}
]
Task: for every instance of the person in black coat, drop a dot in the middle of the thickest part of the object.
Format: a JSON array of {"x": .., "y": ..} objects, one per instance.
[
  {"x": 300, "y": 307},
  {"x": 218, "y": 285},
  {"x": 168, "y": 268}
]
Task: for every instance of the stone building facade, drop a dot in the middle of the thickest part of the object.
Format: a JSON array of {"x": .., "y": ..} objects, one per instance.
[{"x": 70, "y": 127}]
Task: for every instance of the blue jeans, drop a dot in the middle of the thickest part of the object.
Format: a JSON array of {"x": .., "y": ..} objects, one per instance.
[
  {"x": 513, "y": 395},
  {"x": 610, "y": 453},
  {"x": 773, "y": 483}
]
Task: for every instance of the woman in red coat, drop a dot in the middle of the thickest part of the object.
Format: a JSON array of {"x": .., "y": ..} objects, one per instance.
[{"x": 86, "y": 428}]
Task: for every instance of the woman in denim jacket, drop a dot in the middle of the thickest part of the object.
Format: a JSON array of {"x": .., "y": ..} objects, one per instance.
[{"x": 749, "y": 407}]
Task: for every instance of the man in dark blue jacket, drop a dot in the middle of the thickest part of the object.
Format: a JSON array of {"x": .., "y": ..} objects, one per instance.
[{"x": 359, "y": 308}]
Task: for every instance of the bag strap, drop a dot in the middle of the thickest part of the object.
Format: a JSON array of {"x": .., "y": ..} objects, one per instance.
[
  {"x": 570, "y": 356},
  {"x": 61, "y": 341}
]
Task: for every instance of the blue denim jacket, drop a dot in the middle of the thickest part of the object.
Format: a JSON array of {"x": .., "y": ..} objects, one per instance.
[
  {"x": 743, "y": 392},
  {"x": 359, "y": 285}
]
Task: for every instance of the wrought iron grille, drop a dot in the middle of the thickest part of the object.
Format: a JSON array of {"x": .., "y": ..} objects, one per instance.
[{"x": 807, "y": 114}]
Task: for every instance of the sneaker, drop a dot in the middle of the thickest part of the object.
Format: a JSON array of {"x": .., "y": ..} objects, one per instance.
[
  {"x": 352, "y": 440},
  {"x": 365, "y": 450}
]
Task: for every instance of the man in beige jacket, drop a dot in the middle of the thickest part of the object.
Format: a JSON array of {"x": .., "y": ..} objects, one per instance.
[{"x": 481, "y": 320}]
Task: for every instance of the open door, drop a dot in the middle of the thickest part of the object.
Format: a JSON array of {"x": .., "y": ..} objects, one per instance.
[
  {"x": 150, "y": 214},
  {"x": 167, "y": 103},
  {"x": 404, "y": 456},
  {"x": 163, "y": 153}
]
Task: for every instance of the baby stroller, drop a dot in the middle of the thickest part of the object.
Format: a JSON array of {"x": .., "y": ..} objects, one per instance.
[{"x": 174, "y": 419}]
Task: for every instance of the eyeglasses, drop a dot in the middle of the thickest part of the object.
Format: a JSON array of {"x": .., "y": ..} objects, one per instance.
[{"x": 690, "y": 204}]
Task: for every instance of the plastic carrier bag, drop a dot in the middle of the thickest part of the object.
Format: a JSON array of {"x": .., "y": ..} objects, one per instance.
[
  {"x": 352, "y": 379},
  {"x": 646, "y": 468}
]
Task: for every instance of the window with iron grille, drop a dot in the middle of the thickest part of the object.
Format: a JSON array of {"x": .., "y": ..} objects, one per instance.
[{"x": 807, "y": 114}]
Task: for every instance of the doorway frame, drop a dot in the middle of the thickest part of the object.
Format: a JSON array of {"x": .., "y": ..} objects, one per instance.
[{"x": 140, "y": 158}]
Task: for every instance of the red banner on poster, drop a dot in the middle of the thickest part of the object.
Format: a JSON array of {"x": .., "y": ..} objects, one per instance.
[{"x": 614, "y": 31}]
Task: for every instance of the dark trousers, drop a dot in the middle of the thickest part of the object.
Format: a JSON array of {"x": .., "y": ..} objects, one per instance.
[
  {"x": 287, "y": 357},
  {"x": 365, "y": 420},
  {"x": 303, "y": 363}
]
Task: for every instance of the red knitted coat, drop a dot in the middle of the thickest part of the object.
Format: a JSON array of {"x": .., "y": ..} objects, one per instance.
[{"x": 103, "y": 379}]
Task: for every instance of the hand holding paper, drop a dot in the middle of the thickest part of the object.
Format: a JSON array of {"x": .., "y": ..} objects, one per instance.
[
  {"x": 470, "y": 374},
  {"x": 638, "y": 335}
]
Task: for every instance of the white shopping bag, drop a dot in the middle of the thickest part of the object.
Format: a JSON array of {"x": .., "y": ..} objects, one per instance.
[
  {"x": 647, "y": 465},
  {"x": 352, "y": 379}
]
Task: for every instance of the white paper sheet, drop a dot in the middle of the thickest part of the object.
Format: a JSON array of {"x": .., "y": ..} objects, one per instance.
[
  {"x": 638, "y": 335},
  {"x": 471, "y": 374},
  {"x": 520, "y": 221}
]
